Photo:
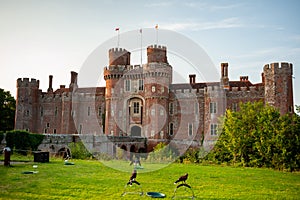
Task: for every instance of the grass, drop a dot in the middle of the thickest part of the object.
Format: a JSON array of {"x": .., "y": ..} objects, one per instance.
[{"x": 89, "y": 179}]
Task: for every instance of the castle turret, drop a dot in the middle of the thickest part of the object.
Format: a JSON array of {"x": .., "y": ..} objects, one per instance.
[
  {"x": 119, "y": 56},
  {"x": 27, "y": 104},
  {"x": 157, "y": 54},
  {"x": 119, "y": 60},
  {"x": 279, "y": 86}
]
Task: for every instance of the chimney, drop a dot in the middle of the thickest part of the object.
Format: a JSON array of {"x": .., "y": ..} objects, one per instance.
[
  {"x": 192, "y": 78},
  {"x": 243, "y": 78},
  {"x": 73, "y": 84},
  {"x": 224, "y": 75},
  {"x": 50, "y": 89}
]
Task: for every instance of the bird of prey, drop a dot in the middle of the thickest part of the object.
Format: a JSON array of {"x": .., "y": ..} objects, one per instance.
[
  {"x": 182, "y": 178},
  {"x": 132, "y": 178}
]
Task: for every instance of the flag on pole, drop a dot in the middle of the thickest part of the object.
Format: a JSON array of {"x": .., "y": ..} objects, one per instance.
[
  {"x": 117, "y": 29},
  {"x": 156, "y": 26},
  {"x": 141, "y": 31}
]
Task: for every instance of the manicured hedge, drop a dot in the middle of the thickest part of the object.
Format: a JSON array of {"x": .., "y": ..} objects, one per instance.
[{"x": 23, "y": 141}]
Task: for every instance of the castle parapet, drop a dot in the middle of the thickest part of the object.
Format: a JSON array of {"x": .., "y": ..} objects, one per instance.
[
  {"x": 25, "y": 82},
  {"x": 279, "y": 67}
]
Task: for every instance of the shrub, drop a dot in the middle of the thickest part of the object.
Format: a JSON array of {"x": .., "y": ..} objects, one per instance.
[{"x": 78, "y": 151}]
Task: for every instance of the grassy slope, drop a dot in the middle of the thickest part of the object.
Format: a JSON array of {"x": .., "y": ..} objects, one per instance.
[{"x": 93, "y": 180}]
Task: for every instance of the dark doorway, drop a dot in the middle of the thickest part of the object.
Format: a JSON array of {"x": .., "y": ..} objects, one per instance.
[{"x": 136, "y": 131}]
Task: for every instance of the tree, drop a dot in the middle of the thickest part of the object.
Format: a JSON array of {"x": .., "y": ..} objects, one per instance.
[
  {"x": 298, "y": 109},
  {"x": 7, "y": 111},
  {"x": 259, "y": 136}
]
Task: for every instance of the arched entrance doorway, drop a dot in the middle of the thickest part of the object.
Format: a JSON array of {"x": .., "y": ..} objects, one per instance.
[{"x": 136, "y": 131}]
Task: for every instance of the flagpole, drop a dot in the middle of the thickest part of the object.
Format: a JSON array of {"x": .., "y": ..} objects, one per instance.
[
  {"x": 141, "y": 32},
  {"x": 118, "y": 39},
  {"x": 156, "y": 27}
]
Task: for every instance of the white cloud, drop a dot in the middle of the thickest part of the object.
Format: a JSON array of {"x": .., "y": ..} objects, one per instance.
[
  {"x": 195, "y": 26},
  {"x": 159, "y": 4}
]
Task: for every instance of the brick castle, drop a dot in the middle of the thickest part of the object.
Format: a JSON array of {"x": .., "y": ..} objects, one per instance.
[{"x": 140, "y": 101}]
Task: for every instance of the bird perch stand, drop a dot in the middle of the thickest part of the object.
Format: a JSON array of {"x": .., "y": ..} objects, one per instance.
[
  {"x": 133, "y": 188},
  {"x": 181, "y": 190}
]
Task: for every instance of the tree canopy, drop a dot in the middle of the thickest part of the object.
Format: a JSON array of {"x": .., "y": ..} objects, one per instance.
[
  {"x": 7, "y": 111},
  {"x": 258, "y": 136}
]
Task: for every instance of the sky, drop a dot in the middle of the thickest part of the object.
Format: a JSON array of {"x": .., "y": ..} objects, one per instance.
[{"x": 39, "y": 38}]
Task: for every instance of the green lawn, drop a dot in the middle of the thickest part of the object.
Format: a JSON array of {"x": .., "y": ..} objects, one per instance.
[{"x": 93, "y": 180}]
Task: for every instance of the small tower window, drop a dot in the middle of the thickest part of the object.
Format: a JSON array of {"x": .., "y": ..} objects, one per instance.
[
  {"x": 136, "y": 107},
  {"x": 141, "y": 84},
  {"x": 171, "y": 129},
  {"x": 56, "y": 111},
  {"x": 190, "y": 129},
  {"x": 127, "y": 85},
  {"x": 89, "y": 111},
  {"x": 153, "y": 88},
  {"x": 171, "y": 108},
  {"x": 213, "y": 107}
]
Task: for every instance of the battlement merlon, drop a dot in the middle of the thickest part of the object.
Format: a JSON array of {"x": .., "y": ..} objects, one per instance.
[
  {"x": 25, "y": 82},
  {"x": 279, "y": 67}
]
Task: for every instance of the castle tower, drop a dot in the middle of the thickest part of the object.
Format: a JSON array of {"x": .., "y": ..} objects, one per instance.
[
  {"x": 279, "y": 86},
  {"x": 157, "y": 54},
  {"x": 119, "y": 59},
  {"x": 158, "y": 77},
  {"x": 27, "y": 105}
]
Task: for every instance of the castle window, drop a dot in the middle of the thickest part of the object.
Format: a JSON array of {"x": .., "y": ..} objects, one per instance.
[
  {"x": 190, "y": 129},
  {"x": 152, "y": 133},
  {"x": 54, "y": 131},
  {"x": 80, "y": 129},
  {"x": 213, "y": 107},
  {"x": 196, "y": 108},
  {"x": 48, "y": 125},
  {"x": 55, "y": 112},
  {"x": 171, "y": 129},
  {"x": 127, "y": 85},
  {"x": 171, "y": 108},
  {"x": 161, "y": 134},
  {"x": 152, "y": 111},
  {"x": 45, "y": 130},
  {"x": 89, "y": 111},
  {"x": 213, "y": 129},
  {"x": 99, "y": 111},
  {"x": 27, "y": 113},
  {"x": 141, "y": 84},
  {"x": 153, "y": 88},
  {"x": 136, "y": 107},
  {"x": 161, "y": 112},
  {"x": 234, "y": 107}
]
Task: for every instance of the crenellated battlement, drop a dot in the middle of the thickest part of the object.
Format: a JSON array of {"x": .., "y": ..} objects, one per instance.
[
  {"x": 117, "y": 50},
  {"x": 158, "y": 47},
  {"x": 25, "y": 82},
  {"x": 279, "y": 67}
]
